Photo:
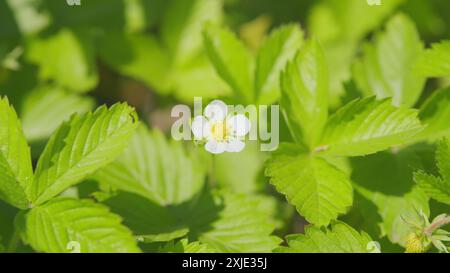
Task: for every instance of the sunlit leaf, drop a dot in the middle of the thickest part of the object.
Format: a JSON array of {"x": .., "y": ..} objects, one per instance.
[
  {"x": 16, "y": 171},
  {"x": 341, "y": 238},
  {"x": 386, "y": 69},
  {"x": 79, "y": 147},
  {"x": 280, "y": 47},
  {"x": 319, "y": 191},
  {"x": 304, "y": 101},
  {"x": 64, "y": 223},
  {"x": 435, "y": 62},
  {"x": 367, "y": 126}
]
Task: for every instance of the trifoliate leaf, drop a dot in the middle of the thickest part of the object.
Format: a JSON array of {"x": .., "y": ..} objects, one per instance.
[
  {"x": 341, "y": 238},
  {"x": 152, "y": 167},
  {"x": 318, "y": 190},
  {"x": 304, "y": 87},
  {"x": 435, "y": 115},
  {"x": 79, "y": 147},
  {"x": 231, "y": 59},
  {"x": 280, "y": 47},
  {"x": 435, "y": 187},
  {"x": 67, "y": 58},
  {"x": 367, "y": 126},
  {"x": 46, "y": 108},
  {"x": 16, "y": 171},
  {"x": 435, "y": 62},
  {"x": 386, "y": 69},
  {"x": 62, "y": 222},
  {"x": 182, "y": 27}
]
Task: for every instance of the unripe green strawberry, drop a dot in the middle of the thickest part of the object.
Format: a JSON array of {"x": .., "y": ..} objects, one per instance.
[{"x": 414, "y": 244}]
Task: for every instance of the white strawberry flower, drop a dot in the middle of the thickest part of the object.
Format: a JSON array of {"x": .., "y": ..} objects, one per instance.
[{"x": 222, "y": 133}]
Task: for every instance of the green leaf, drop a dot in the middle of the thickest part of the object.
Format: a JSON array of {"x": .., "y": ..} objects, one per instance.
[
  {"x": 67, "y": 58},
  {"x": 183, "y": 246},
  {"x": 148, "y": 219},
  {"x": 367, "y": 126},
  {"x": 80, "y": 147},
  {"x": 279, "y": 48},
  {"x": 16, "y": 171},
  {"x": 29, "y": 15},
  {"x": 45, "y": 108},
  {"x": 318, "y": 190},
  {"x": 224, "y": 221},
  {"x": 241, "y": 172},
  {"x": 435, "y": 62},
  {"x": 394, "y": 210},
  {"x": 231, "y": 59},
  {"x": 341, "y": 238},
  {"x": 198, "y": 79},
  {"x": 103, "y": 15},
  {"x": 304, "y": 86},
  {"x": 164, "y": 237},
  {"x": 435, "y": 187},
  {"x": 148, "y": 62},
  {"x": 242, "y": 226},
  {"x": 152, "y": 167},
  {"x": 141, "y": 15},
  {"x": 182, "y": 27},
  {"x": 138, "y": 56},
  {"x": 435, "y": 115},
  {"x": 340, "y": 26},
  {"x": 53, "y": 226},
  {"x": 386, "y": 69},
  {"x": 330, "y": 19},
  {"x": 386, "y": 194}
]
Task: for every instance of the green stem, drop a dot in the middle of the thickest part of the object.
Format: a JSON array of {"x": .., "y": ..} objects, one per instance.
[
  {"x": 13, "y": 242},
  {"x": 431, "y": 228},
  {"x": 212, "y": 172}
]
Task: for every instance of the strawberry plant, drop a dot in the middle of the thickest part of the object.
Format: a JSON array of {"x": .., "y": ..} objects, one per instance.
[{"x": 139, "y": 127}]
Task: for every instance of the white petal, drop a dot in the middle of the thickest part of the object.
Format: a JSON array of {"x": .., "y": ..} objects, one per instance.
[
  {"x": 200, "y": 127},
  {"x": 215, "y": 147},
  {"x": 240, "y": 125},
  {"x": 235, "y": 146},
  {"x": 216, "y": 110}
]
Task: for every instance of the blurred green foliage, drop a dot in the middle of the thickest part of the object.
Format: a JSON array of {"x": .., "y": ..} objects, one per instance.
[{"x": 57, "y": 60}]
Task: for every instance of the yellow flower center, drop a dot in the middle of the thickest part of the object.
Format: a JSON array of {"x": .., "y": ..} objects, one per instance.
[
  {"x": 219, "y": 131},
  {"x": 414, "y": 244}
]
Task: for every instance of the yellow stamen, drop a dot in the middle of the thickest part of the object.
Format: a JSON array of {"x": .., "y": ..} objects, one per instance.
[{"x": 219, "y": 131}]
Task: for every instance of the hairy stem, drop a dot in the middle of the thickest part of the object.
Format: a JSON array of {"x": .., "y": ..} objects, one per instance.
[{"x": 431, "y": 228}]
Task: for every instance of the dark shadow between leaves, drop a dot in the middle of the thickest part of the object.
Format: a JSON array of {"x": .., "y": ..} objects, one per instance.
[
  {"x": 146, "y": 218},
  {"x": 390, "y": 172}
]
